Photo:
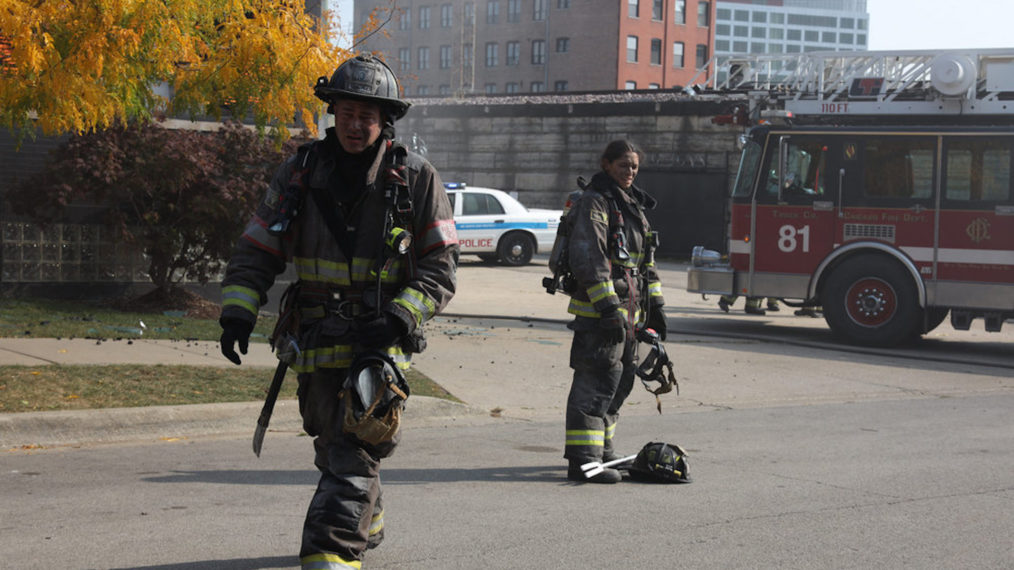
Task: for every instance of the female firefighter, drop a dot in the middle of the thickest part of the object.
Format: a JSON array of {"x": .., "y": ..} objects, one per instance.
[{"x": 618, "y": 292}]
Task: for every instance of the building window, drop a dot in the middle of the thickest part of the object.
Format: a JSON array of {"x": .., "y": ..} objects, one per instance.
[
  {"x": 777, "y": 18},
  {"x": 562, "y": 45},
  {"x": 560, "y": 86},
  {"x": 760, "y": 17},
  {"x": 740, "y": 31},
  {"x": 795, "y": 35},
  {"x": 677, "y": 55},
  {"x": 562, "y": 4},
  {"x": 424, "y": 58},
  {"x": 828, "y": 37},
  {"x": 513, "y": 10},
  {"x": 742, "y": 16},
  {"x": 845, "y": 38},
  {"x": 424, "y": 18},
  {"x": 445, "y": 89},
  {"x": 721, "y": 45},
  {"x": 739, "y": 47},
  {"x": 758, "y": 32},
  {"x": 404, "y": 59},
  {"x": 679, "y": 12},
  {"x": 490, "y": 88},
  {"x": 469, "y": 13},
  {"x": 811, "y": 35},
  {"x": 492, "y": 12},
  {"x": 776, "y": 33},
  {"x": 632, "y": 10},
  {"x": 723, "y": 30},
  {"x": 538, "y": 87},
  {"x": 702, "y": 55},
  {"x": 423, "y": 90},
  {"x": 538, "y": 52},
  {"x": 756, "y": 47},
  {"x": 704, "y": 14},
  {"x": 656, "y": 10},
  {"x": 632, "y": 49},
  {"x": 656, "y": 51},
  {"x": 512, "y": 87},
  {"x": 445, "y": 57},
  {"x": 630, "y": 85},
  {"x": 653, "y": 86},
  {"x": 492, "y": 55},
  {"x": 405, "y": 21},
  {"x": 446, "y": 16},
  {"x": 539, "y": 10},
  {"x": 513, "y": 53}
]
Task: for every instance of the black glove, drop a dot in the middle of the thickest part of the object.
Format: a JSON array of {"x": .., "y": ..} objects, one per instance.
[
  {"x": 656, "y": 320},
  {"x": 380, "y": 332},
  {"x": 233, "y": 331},
  {"x": 613, "y": 326}
]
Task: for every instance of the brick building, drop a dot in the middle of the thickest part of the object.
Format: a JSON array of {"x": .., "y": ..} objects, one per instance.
[{"x": 461, "y": 47}]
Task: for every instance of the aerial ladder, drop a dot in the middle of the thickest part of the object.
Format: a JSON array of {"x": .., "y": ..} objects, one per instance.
[{"x": 831, "y": 85}]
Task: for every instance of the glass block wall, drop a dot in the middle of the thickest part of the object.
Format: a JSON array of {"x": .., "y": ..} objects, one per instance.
[{"x": 62, "y": 253}]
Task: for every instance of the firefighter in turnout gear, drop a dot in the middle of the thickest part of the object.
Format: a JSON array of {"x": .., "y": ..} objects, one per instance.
[
  {"x": 369, "y": 229},
  {"x": 618, "y": 292}
]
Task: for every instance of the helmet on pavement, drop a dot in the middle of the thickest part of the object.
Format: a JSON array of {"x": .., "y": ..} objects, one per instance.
[
  {"x": 365, "y": 78},
  {"x": 662, "y": 463}
]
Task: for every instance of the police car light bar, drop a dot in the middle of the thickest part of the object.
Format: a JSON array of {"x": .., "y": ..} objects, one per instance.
[{"x": 454, "y": 185}]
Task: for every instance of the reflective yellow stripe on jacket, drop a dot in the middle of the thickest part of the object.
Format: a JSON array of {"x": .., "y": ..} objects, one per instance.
[
  {"x": 327, "y": 561},
  {"x": 243, "y": 297},
  {"x": 341, "y": 356}
]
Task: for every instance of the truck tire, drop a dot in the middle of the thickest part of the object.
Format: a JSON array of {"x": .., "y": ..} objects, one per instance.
[
  {"x": 871, "y": 300},
  {"x": 515, "y": 248}
]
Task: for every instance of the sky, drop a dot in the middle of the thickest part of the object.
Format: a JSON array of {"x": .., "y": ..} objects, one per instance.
[
  {"x": 910, "y": 24},
  {"x": 940, "y": 24}
]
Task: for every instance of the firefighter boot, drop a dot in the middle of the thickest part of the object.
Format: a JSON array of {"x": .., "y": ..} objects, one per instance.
[
  {"x": 607, "y": 476},
  {"x": 753, "y": 307}
]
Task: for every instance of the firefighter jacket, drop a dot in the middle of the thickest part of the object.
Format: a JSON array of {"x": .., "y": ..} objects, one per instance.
[
  {"x": 612, "y": 271},
  {"x": 337, "y": 286}
]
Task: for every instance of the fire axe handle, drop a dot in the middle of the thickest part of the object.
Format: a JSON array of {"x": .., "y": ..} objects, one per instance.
[{"x": 269, "y": 406}]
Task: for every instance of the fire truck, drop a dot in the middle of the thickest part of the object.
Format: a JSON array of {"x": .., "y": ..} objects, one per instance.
[{"x": 878, "y": 186}]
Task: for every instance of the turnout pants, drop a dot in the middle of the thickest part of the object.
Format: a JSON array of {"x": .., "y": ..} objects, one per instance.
[
  {"x": 603, "y": 378},
  {"x": 345, "y": 516}
]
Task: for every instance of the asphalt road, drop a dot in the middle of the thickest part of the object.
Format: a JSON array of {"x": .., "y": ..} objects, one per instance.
[{"x": 804, "y": 454}]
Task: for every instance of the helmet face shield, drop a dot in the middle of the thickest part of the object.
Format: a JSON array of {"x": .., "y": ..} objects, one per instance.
[{"x": 364, "y": 78}]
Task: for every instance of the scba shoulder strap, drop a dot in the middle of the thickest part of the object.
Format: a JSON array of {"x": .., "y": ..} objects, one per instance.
[{"x": 291, "y": 200}]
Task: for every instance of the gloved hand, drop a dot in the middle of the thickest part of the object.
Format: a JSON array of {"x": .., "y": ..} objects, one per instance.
[
  {"x": 613, "y": 326},
  {"x": 380, "y": 332},
  {"x": 656, "y": 320},
  {"x": 234, "y": 331}
]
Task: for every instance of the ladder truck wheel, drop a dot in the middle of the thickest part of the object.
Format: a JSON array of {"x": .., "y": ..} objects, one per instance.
[{"x": 871, "y": 300}]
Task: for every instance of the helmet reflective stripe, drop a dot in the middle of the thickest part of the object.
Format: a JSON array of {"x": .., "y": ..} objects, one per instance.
[
  {"x": 417, "y": 303},
  {"x": 594, "y": 437},
  {"x": 327, "y": 561},
  {"x": 242, "y": 297}
]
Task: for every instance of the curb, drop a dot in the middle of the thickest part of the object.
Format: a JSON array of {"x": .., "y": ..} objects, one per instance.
[{"x": 34, "y": 430}]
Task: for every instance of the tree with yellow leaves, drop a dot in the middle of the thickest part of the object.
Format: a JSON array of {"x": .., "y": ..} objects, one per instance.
[{"x": 77, "y": 66}]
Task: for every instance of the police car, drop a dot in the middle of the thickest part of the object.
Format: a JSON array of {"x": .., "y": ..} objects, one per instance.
[{"x": 496, "y": 227}]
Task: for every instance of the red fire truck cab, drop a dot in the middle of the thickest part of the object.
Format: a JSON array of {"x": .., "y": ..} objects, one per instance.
[{"x": 888, "y": 225}]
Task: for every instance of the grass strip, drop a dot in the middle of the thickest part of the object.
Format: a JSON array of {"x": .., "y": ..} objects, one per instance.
[{"x": 78, "y": 387}]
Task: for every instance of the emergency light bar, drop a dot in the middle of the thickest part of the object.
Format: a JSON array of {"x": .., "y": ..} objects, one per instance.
[{"x": 455, "y": 185}]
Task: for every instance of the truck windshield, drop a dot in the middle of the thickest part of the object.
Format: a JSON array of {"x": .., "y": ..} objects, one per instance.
[{"x": 748, "y": 164}]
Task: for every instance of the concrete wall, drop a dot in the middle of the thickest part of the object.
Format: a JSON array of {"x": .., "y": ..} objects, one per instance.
[{"x": 538, "y": 149}]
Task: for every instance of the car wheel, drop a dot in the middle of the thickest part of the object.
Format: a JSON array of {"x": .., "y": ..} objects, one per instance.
[
  {"x": 871, "y": 300},
  {"x": 515, "y": 249}
]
